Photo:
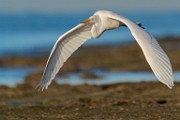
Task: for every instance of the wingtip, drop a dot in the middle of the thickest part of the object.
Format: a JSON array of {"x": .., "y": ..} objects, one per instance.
[
  {"x": 40, "y": 87},
  {"x": 171, "y": 85}
]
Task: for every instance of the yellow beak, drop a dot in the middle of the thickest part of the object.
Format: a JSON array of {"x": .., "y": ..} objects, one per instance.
[{"x": 88, "y": 20}]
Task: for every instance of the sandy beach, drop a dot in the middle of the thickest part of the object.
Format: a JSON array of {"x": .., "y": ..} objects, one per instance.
[{"x": 125, "y": 101}]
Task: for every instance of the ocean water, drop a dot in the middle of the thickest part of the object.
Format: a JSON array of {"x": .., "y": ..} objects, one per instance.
[
  {"x": 32, "y": 33},
  {"x": 35, "y": 34}
]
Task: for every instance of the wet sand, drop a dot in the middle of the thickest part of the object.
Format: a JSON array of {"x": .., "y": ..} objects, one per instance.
[{"x": 125, "y": 101}]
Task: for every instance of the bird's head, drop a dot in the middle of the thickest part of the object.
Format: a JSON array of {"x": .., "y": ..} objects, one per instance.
[{"x": 96, "y": 29}]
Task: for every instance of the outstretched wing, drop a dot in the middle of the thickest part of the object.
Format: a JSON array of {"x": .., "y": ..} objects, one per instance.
[
  {"x": 62, "y": 50},
  {"x": 155, "y": 56}
]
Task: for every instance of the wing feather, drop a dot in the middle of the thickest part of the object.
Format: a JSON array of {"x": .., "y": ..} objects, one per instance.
[
  {"x": 62, "y": 50},
  {"x": 154, "y": 54}
]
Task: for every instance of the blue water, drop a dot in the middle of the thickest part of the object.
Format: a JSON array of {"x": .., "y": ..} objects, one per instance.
[
  {"x": 30, "y": 33},
  {"x": 13, "y": 76},
  {"x": 112, "y": 78}
]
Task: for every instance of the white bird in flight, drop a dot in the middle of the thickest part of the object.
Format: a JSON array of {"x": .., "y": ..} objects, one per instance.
[{"x": 92, "y": 28}]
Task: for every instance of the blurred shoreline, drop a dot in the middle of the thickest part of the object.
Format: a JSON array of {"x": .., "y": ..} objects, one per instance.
[
  {"x": 112, "y": 57},
  {"x": 120, "y": 57}
]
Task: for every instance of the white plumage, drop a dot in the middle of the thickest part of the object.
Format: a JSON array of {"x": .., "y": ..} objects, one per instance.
[{"x": 93, "y": 28}]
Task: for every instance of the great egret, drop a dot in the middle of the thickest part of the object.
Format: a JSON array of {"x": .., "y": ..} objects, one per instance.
[{"x": 92, "y": 28}]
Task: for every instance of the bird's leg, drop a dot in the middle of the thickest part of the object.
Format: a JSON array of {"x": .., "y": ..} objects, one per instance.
[{"x": 140, "y": 25}]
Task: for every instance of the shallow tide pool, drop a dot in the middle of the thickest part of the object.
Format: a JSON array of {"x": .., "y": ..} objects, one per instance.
[
  {"x": 111, "y": 78},
  {"x": 12, "y": 76}
]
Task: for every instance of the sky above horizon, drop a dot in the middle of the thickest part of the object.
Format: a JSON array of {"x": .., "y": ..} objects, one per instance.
[{"x": 60, "y": 6}]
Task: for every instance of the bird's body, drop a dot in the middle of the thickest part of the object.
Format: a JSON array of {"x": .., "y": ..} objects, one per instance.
[
  {"x": 93, "y": 28},
  {"x": 103, "y": 23}
]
